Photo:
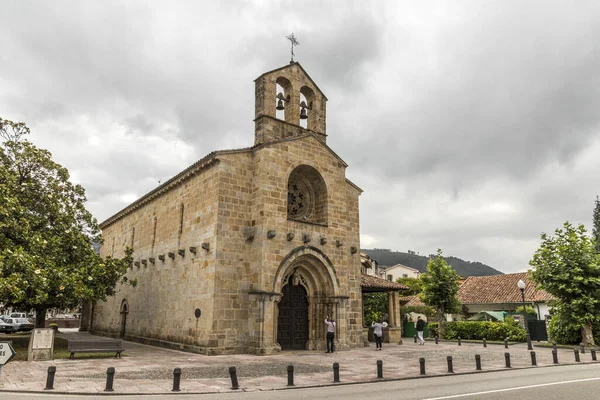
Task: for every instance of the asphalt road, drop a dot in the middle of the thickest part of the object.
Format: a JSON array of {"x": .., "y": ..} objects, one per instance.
[{"x": 580, "y": 382}]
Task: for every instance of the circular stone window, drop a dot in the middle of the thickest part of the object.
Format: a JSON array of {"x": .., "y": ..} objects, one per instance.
[{"x": 299, "y": 200}]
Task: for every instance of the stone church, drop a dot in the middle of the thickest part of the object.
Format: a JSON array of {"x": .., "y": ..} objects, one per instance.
[{"x": 246, "y": 250}]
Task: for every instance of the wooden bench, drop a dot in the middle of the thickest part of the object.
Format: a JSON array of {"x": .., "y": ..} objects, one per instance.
[{"x": 95, "y": 346}]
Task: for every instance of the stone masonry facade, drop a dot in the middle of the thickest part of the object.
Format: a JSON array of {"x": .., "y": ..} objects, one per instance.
[{"x": 215, "y": 246}]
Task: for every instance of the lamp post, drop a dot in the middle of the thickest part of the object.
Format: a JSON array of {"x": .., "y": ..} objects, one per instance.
[{"x": 521, "y": 286}]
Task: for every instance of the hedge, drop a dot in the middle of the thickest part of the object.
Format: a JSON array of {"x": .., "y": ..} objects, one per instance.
[{"x": 477, "y": 330}]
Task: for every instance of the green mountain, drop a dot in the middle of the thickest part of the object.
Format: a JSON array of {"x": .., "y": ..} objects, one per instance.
[{"x": 386, "y": 257}]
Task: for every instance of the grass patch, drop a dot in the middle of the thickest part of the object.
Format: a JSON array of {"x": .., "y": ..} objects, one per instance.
[{"x": 20, "y": 342}]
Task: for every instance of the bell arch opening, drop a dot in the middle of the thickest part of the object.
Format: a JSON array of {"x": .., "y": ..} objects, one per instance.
[
  {"x": 307, "y": 195},
  {"x": 307, "y": 116},
  {"x": 283, "y": 91}
]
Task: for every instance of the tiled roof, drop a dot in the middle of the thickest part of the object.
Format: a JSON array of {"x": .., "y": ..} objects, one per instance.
[
  {"x": 372, "y": 282},
  {"x": 500, "y": 289},
  {"x": 413, "y": 301}
]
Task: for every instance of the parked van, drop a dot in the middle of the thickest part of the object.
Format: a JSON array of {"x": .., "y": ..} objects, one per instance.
[{"x": 18, "y": 315}]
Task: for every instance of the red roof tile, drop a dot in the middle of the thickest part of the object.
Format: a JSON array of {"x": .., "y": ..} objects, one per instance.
[
  {"x": 372, "y": 282},
  {"x": 500, "y": 289}
]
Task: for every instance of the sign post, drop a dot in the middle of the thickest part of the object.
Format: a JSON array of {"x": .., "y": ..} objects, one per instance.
[{"x": 6, "y": 353}]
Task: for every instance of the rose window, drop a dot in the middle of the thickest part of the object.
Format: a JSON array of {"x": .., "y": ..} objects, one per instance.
[{"x": 299, "y": 202}]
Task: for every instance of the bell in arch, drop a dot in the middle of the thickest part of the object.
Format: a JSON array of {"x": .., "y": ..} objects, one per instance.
[
  {"x": 280, "y": 105},
  {"x": 303, "y": 114},
  {"x": 281, "y": 98},
  {"x": 303, "y": 107}
]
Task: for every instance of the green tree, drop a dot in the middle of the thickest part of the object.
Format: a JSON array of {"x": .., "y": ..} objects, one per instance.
[
  {"x": 414, "y": 285},
  {"x": 375, "y": 306},
  {"x": 46, "y": 234},
  {"x": 440, "y": 286},
  {"x": 596, "y": 225},
  {"x": 567, "y": 266}
]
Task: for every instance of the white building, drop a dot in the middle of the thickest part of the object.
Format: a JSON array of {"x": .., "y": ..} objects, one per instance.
[{"x": 398, "y": 271}]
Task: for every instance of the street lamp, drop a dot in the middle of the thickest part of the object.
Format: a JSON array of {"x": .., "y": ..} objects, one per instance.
[{"x": 521, "y": 286}]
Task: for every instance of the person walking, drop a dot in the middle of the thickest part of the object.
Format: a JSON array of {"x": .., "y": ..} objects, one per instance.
[
  {"x": 420, "y": 329},
  {"x": 378, "y": 332},
  {"x": 330, "y": 322}
]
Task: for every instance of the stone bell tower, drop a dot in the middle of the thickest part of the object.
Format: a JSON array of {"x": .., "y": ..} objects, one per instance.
[{"x": 283, "y": 89}]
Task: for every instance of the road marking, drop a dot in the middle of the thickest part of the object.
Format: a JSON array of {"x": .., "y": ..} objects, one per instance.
[{"x": 455, "y": 396}]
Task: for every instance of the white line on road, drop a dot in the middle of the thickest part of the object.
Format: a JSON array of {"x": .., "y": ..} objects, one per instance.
[{"x": 455, "y": 396}]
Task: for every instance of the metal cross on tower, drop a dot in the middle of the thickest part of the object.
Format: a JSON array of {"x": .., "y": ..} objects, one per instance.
[{"x": 292, "y": 38}]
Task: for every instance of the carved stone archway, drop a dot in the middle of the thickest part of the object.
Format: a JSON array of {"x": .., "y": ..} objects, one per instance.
[{"x": 310, "y": 268}]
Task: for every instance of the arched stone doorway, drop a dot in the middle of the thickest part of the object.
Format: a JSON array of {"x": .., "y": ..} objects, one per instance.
[
  {"x": 124, "y": 312},
  {"x": 309, "y": 291},
  {"x": 292, "y": 324}
]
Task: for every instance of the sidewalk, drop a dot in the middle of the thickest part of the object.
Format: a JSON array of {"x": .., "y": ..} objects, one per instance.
[{"x": 149, "y": 370}]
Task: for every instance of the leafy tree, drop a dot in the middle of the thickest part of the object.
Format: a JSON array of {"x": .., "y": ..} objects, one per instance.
[
  {"x": 440, "y": 286},
  {"x": 596, "y": 223},
  {"x": 414, "y": 285},
  {"x": 46, "y": 234},
  {"x": 425, "y": 310},
  {"x": 375, "y": 307},
  {"x": 567, "y": 266}
]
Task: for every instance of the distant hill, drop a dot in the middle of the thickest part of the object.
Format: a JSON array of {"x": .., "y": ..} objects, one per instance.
[{"x": 386, "y": 257}]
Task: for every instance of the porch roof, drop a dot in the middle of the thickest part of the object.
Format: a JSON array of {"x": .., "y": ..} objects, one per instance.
[{"x": 369, "y": 283}]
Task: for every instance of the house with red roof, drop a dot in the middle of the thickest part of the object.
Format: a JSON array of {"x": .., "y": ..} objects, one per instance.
[{"x": 501, "y": 293}]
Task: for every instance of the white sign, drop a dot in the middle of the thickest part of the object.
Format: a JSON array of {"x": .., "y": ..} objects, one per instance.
[
  {"x": 6, "y": 352},
  {"x": 42, "y": 338}
]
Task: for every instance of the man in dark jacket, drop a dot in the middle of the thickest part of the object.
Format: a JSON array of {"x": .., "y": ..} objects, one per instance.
[{"x": 420, "y": 329}]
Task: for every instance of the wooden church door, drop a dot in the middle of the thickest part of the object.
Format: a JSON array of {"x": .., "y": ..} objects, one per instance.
[{"x": 292, "y": 325}]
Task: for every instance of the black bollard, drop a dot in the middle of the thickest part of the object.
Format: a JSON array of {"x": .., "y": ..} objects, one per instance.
[
  {"x": 176, "y": 379},
  {"x": 554, "y": 346},
  {"x": 336, "y": 372},
  {"x": 379, "y": 369},
  {"x": 533, "y": 359},
  {"x": 421, "y": 366},
  {"x": 50, "y": 378},
  {"x": 459, "y": 341},
  {"x": 581, "y": 348},
  {"x": 477, "y": 362},
  {"x": 437, "y": 338},
  {"x": 507, "y": 359},
  {"x": 484, "y": 342},
  {"x": 290, "y": 369},
  {"x": 110, "y": 377},
  {"x": 233, "y": 376},
  {"x": 576, "y": 352},
  {"x": 593, "y": 351},
  {"x": 415, "y": 338},
  {"x": 449, "y": 359},
  {"x": 506, "y": 343},
  {"x": 555, "y": 356}
]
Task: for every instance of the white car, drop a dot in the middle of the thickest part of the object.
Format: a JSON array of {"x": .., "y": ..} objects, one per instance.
[
  {"x": 5, "y": 327},
  {"x": 20, "y": 324}
]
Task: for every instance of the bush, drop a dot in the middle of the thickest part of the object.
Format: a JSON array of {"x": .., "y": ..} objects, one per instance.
[
  {"x": 434, "y": 329},
  {"x": 478, "y": 330}
]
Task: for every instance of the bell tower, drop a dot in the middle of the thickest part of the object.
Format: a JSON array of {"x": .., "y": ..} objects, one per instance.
[{"x": 290, "y": 90}]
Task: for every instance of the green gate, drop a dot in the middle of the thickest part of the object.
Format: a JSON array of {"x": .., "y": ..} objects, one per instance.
[
  {"x": 537, "y": 329},
  {"x": 409, "y": 329}
]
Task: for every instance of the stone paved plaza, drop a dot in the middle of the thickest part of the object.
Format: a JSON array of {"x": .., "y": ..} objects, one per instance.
[{"x": 147, "y": 369}]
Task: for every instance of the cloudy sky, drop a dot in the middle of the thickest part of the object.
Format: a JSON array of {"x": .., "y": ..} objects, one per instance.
[{"x": 472, "y": 126}]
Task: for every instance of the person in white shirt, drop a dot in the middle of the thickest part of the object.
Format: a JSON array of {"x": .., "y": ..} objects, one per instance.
[
  {"x": 330, "y": 322},
  {"x": 378, "y": 332}
]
